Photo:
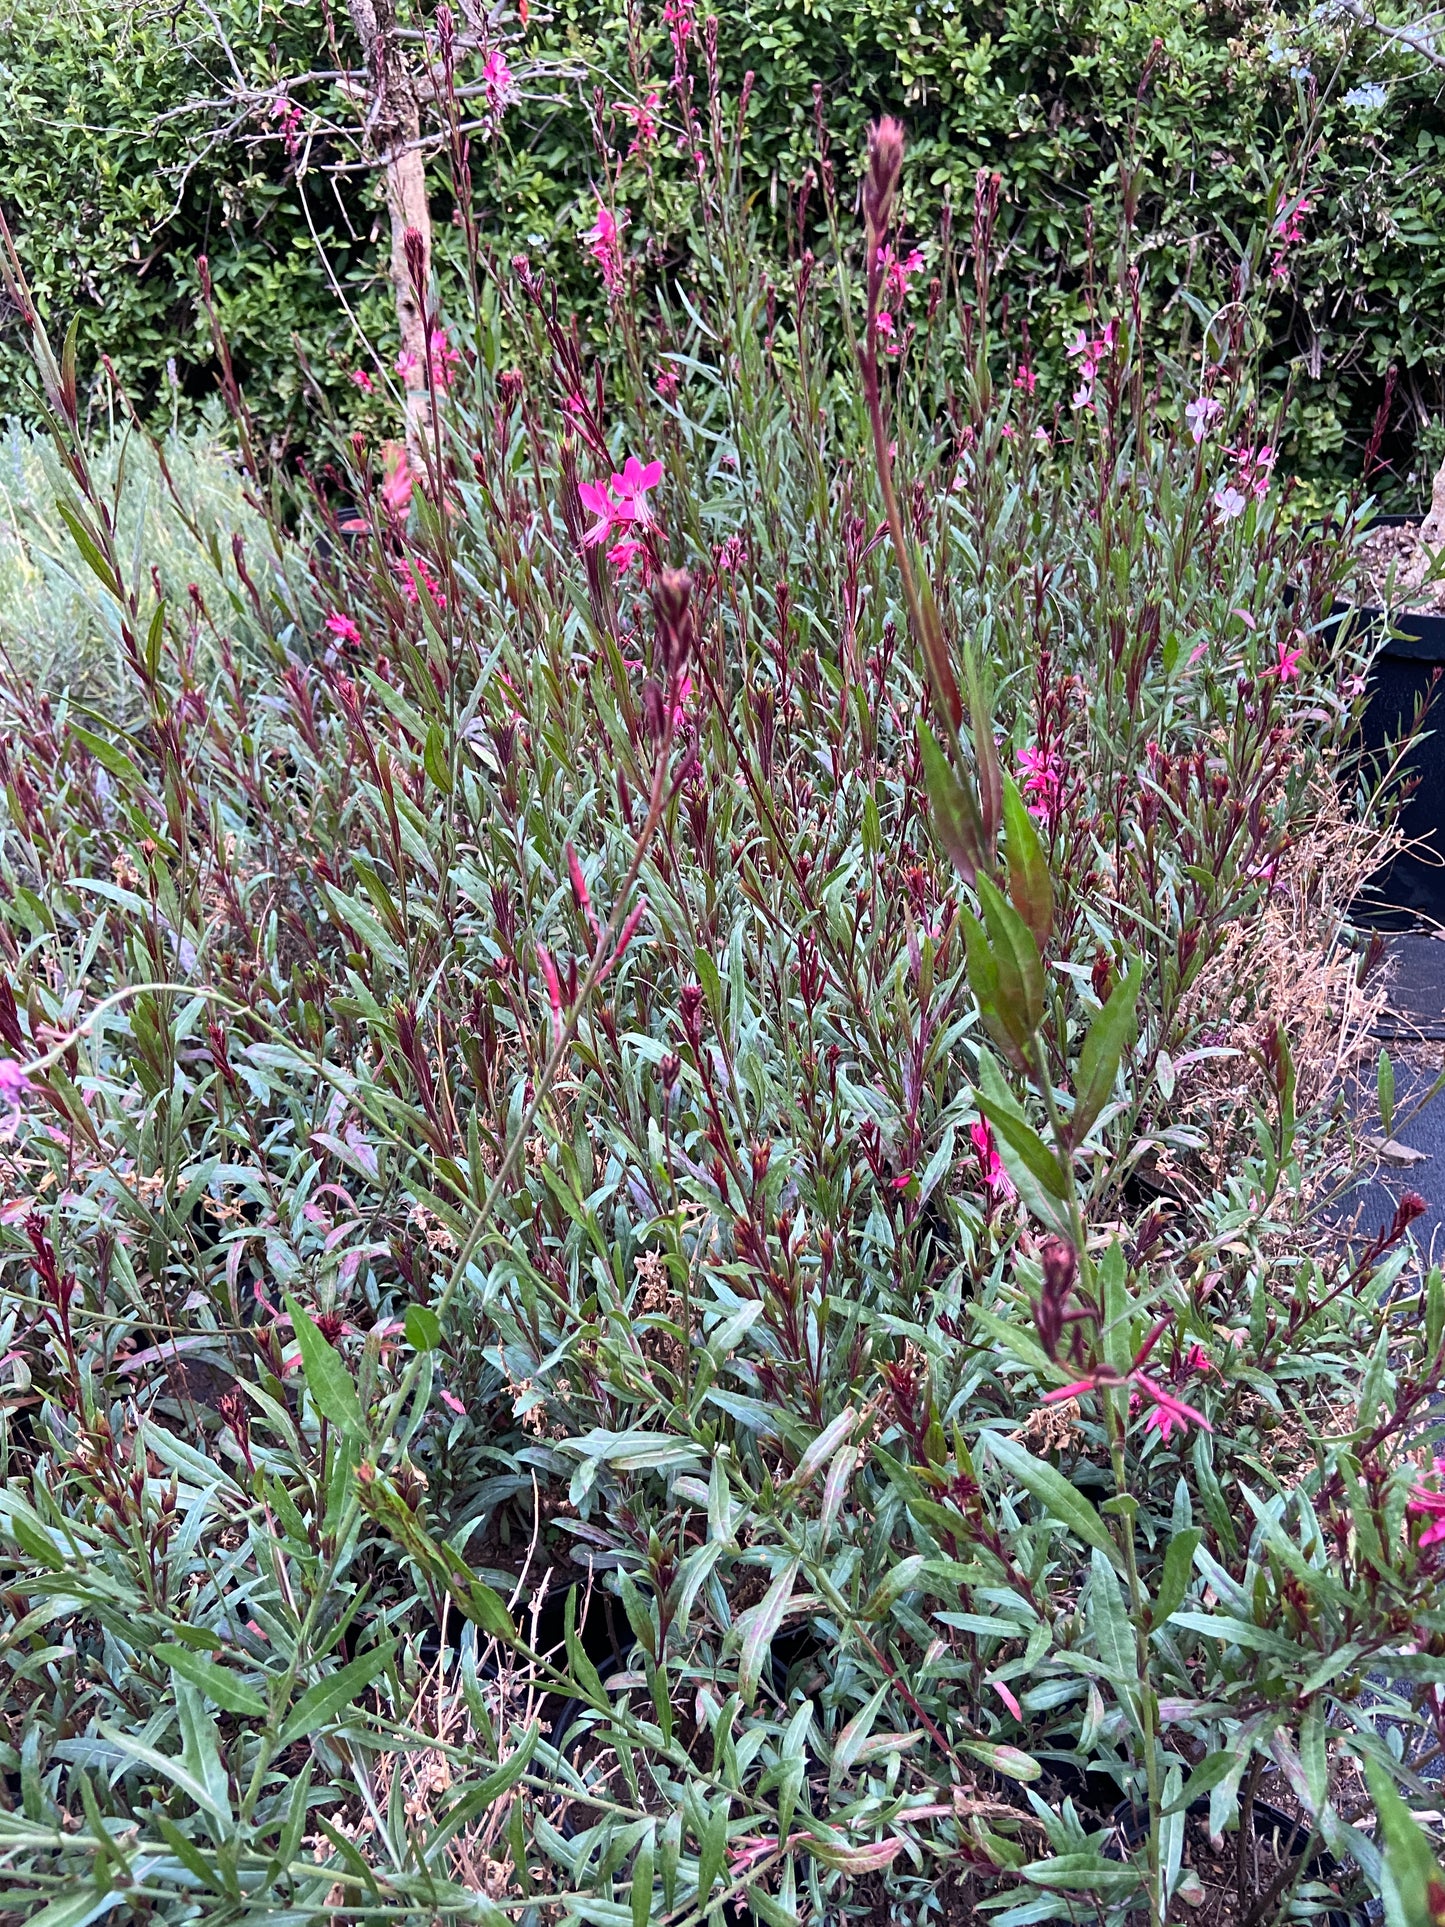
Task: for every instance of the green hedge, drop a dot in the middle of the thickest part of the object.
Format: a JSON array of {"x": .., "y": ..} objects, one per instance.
[{"x": 113, "y": 192}]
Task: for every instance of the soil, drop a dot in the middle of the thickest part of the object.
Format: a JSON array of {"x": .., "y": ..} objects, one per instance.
[{"x": 1388, "y": 560}]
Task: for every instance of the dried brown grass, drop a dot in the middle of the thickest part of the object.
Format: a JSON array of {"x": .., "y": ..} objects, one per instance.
[{"x": 1291, "y": 966}]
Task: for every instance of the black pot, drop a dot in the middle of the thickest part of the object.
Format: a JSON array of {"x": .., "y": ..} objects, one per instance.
[
  {"x": 1410, "y": 889},
  {"x": 1132, "y": 1824}
]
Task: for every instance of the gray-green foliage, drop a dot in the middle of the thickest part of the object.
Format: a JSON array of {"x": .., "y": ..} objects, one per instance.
[
  {"x": 364, "y": 1285},
  {"x": 58, "y": 623}
]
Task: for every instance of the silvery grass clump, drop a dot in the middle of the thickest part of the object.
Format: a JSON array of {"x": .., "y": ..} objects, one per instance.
[
  {"x": 624, "y": 1294},
  {"x": 58, "y": 624}
]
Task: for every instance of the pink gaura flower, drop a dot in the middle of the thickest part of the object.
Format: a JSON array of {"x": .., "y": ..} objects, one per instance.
[
  {"x": 1089, "y": 351},
  {"x": 500, "y": 87},
  {"x": 995, "y": 1179},
  {"x": 1167, "y": 1411},
  {"x": 623, "y": 554},
  {"x": 603, "y": 241},
  {"x": 621, "y": 502},
  {"x": 1288, "y": 664},
  {"x": 1025, "y": 380},
  {"x": 1228, "y": 502},
  {"x": 897, "y": 274},
  {"x": 15, "y": 1087},
  {"x": 677, "y": 17},
  {"x": 413, "y": 575},
  {"x": 363, "y": 381},
  {"x": 1428, "y": 1502},
  {"x": 396, "y": 479},
  {"x": 1253, "y": 469},
  {"x": 443, "y": 359},
  {"x": 644, "y": 122},
  {"x": 290, "y": 116},
  {"x": 344, "y": 629},
  {"x": 666, "y": 383},
  {"x": 1042, "y": 782},
  {"x": 1201, "y": 414},
  {"x": 731, "y": 555}
]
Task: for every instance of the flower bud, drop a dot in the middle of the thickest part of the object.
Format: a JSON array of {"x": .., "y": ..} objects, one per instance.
[
  {"x": 880, "y": 183},
  {"x": 676, "y": 627}
]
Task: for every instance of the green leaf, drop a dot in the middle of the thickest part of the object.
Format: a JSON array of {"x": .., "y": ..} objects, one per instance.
[
  {"x": 155, "y": 635},
  {"x": 1011, "y": 1760},
  {"x": 584, "y": 1673},
  {"x": 712, "y": 1851},
  {"x": 1413, "y": 1886},
  {"x": 1053, "y": 1491},
  {"x": 434, "y": 756},
  {"x": 320, "y": 1703},
  {"x": 1213, "y": 1768},
  {"x": 216, "y": 1683},
  {"x": 1109, "y": 1624},
  {"x": 1103, "y": 1048},
  {"x": 1029, "y": 882},
  {"x": 488, "y": 1791},
  {"x": 642, "y": 1882},
  {"x": 330, "y": 1384},
  {"x": 423, "y": 1328},
  {"x": 952, "y": 808},
  {"x": 112, "y": 758},
  {"x": 1016, "y": 957},
  {"x": 1174, "y": 1580},
  {"x": 85, "y": 539},
  {"x": 76, "y": 1909},
  {"x": 756, "y": 1627},
  {"x": 1385, "y": 1092}
]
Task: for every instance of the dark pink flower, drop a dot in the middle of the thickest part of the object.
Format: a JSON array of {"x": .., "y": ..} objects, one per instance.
[
  {"x": 644, "y": 122},
  {"x": 603, "y": 241},
  {"x": 363, "y": 381},
  {"x": 443, "y": 357},
  {"x": 1167, "y": 1411},
  {"x": 1428, "y": 1501},
  {"x": 1042, "y": 782},
  {"x": 290, "y": 116},
  {"x": 15, "y": 1087},
  {"x": 995, "y": 1179},
  {"x": 1025, "y": 379},
  {"x": 500, "y": 88},
  {"x": 343, "y": 628},
  {"x": 412, "y": 575},
  {"x": 897, "y": 274},
  {"x": 1288, "y": 665},
  {"x": 666, "y": 383}
]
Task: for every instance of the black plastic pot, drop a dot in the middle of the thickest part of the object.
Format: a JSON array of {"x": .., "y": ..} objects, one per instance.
[
  {"x": 1410, "y": 889},
  {"x": 1132, "y": 1824}
]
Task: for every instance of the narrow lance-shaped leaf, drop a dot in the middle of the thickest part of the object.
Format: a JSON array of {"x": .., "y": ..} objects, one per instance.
[
  {"x": 757, "y": 1626},
  {"x": 1103, "y": 1048},
  {"x": 1020, "y": 971},
  {"x": 327, "y": 1380},
  {"x": 952, "y": 808},
  {"x": 1029, "y": 883}
]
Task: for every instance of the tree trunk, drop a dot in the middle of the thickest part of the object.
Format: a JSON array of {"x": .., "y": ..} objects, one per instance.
[{"x": 392, "y": 132}]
